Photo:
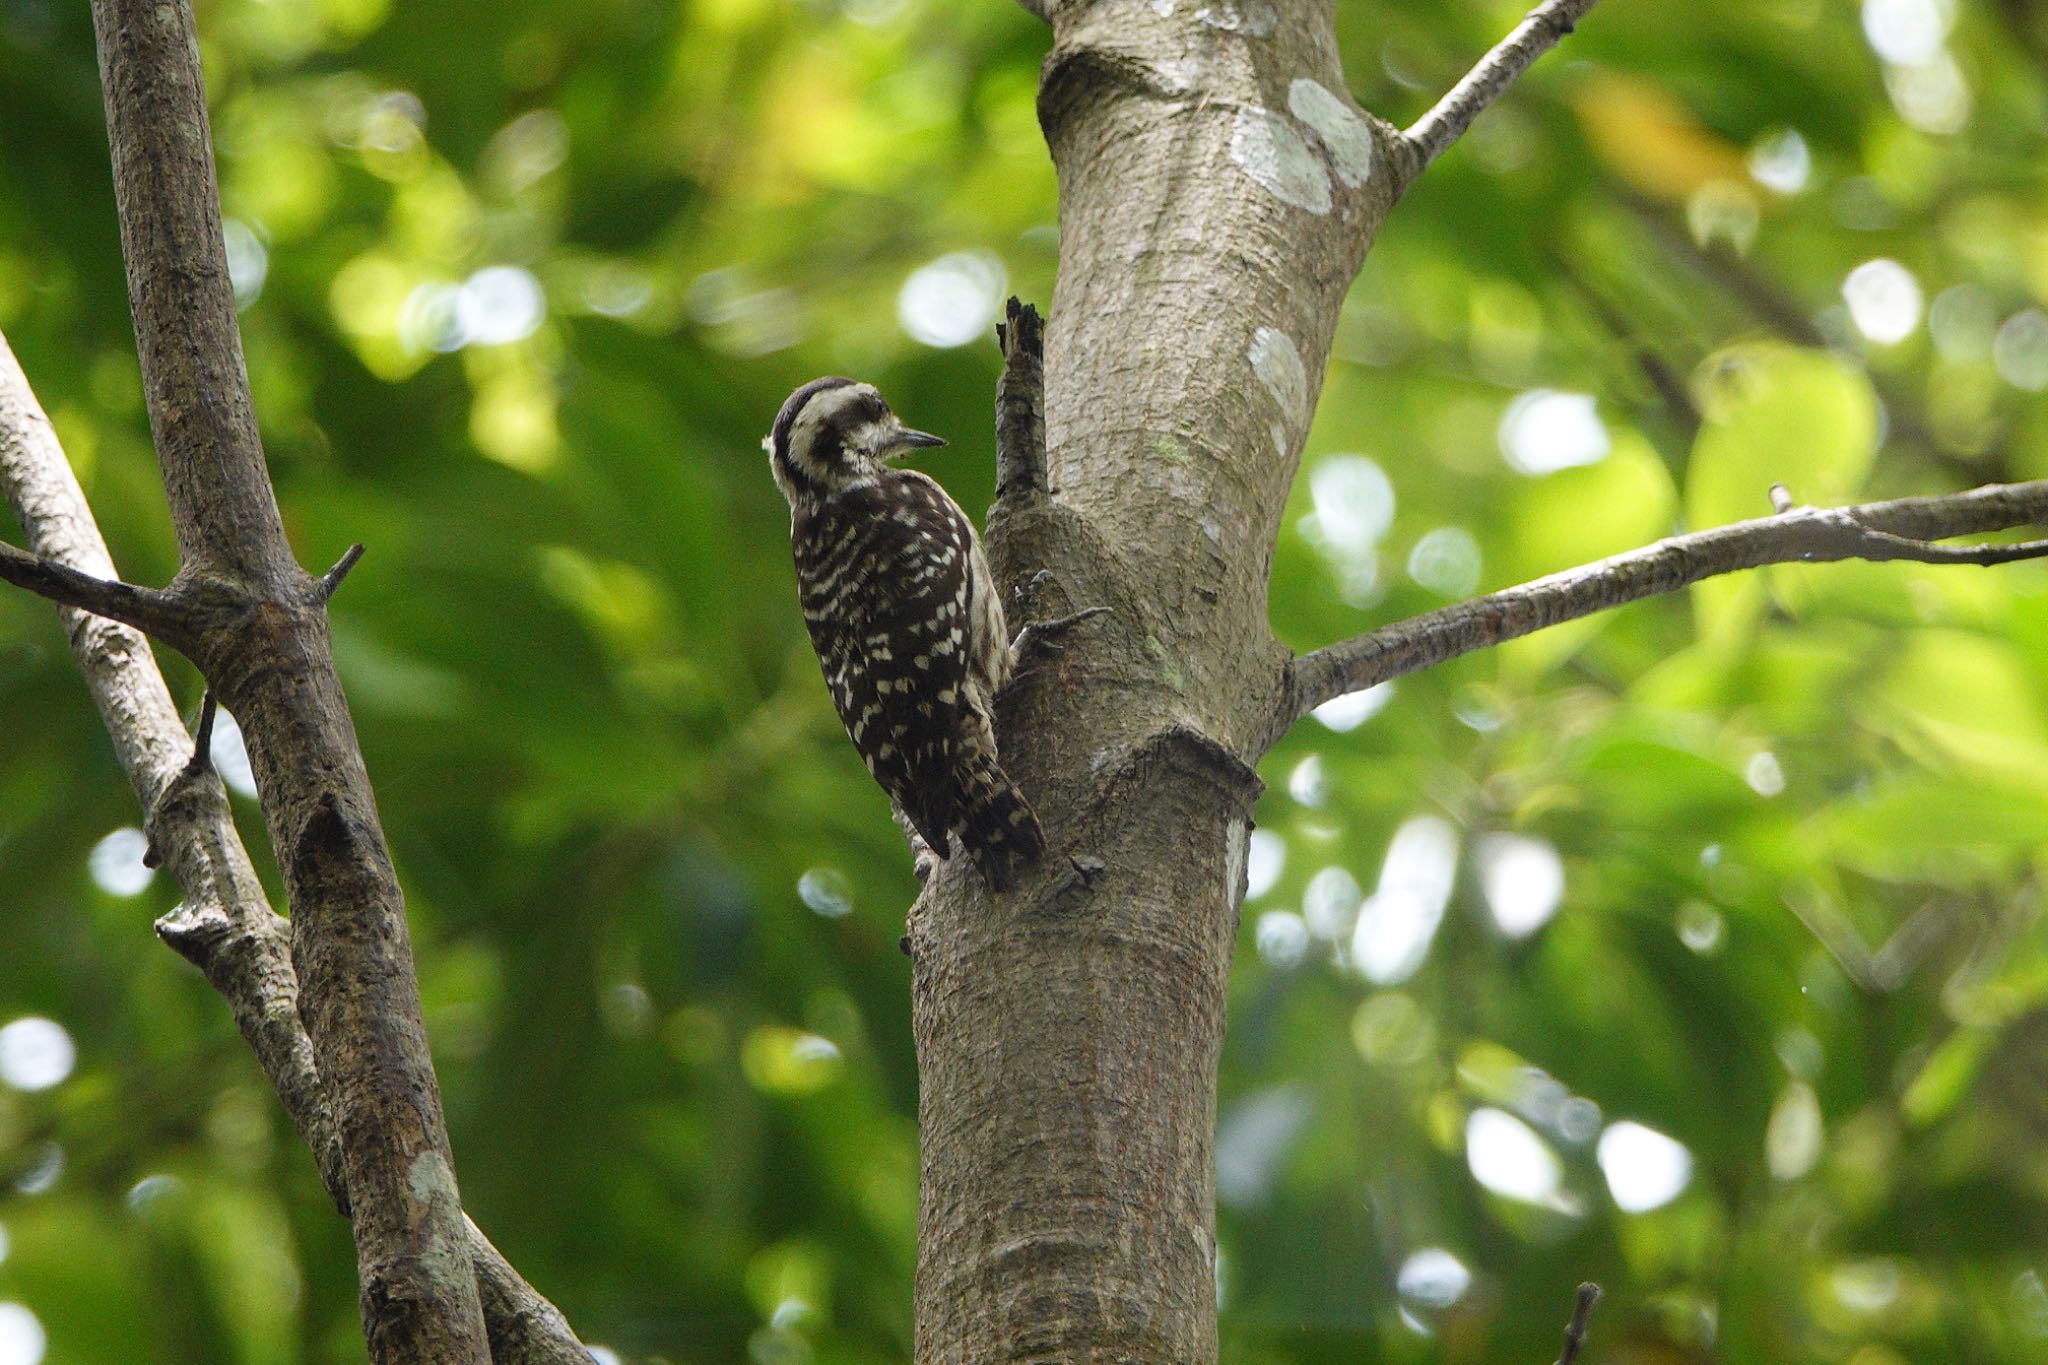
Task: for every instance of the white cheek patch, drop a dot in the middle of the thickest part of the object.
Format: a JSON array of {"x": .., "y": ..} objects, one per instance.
[
  {"x": 824, "y": 412},
  {"x": 867, "y": 437}
]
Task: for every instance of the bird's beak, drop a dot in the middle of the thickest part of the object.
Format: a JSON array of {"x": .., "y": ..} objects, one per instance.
[{"x": 906, "y": 439}]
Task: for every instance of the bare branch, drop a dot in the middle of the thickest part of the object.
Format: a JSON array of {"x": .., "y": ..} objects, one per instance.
[
  {"x": 226, "y": 926},
  {"x": 1575, "y": 1330},
  {"x": 75, "y": 572},
  {"x": 39, "y": 486},
  {"x": 197, "y": 769},
  {"x": 351, "y": 949},
  {"x": 1880, "y": 546},
  {"x": 331, "y": 581},
  {"x": 202, "y": 734},
  {"x": 149, "y": 610},
  {"x": 230, "y": 933},
  {"x": 187, "y": 338},
  {"x": 1543, "y": 29},
  {"x": 1882, "y": 531}
]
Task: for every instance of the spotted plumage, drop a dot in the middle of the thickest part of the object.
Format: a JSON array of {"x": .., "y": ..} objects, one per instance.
[{"x": 905, "y": 618}]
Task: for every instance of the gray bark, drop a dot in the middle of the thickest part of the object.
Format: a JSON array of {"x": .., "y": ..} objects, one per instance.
[
  {"x": 1218, "y": 190},
  {"x": 1878, "y": 531},
  {"x": 258, "y": 631}
]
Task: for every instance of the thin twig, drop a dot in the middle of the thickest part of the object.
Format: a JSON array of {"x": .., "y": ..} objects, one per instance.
[
  {"x": 331, "y": 580},
  {"x": 1883, "y": 531},
  {"x": 1543, "y": 29},
  {"x": 202, "y": 736},
  {"x": 1883, "y": 546},
  {"x": 174, "y": 809},
  {"x": 1575, "y": 1330}
]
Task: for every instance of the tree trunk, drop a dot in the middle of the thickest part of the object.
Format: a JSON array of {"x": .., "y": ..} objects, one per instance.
[{"x": 1218, "y": 190}]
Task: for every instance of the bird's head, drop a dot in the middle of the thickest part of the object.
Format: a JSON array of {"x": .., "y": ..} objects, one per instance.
[{"x": 833, "y": 434}]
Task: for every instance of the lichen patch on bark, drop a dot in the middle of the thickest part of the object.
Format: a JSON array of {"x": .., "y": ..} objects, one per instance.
[
  {"x": 1253, "y": 19},
  {"x": 1276, "y": 360},
  {"x": 1344, "y": 132},
  {"x": 1267, "y": 148}
]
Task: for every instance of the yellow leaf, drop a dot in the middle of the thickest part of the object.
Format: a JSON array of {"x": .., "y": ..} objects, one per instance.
[{"x": 1649, "y": 139}]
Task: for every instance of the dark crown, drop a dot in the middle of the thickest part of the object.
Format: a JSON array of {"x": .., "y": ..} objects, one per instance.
[{"x": 793, "y": 406}]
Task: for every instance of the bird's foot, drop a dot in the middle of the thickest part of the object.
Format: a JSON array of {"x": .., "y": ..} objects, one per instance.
[{"x": 1044, "y": 636}]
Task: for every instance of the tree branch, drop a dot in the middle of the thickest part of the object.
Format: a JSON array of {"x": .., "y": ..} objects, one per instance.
[
  {"x": 1543, "y": 29},
  {"x": 187, "y": 338},
  {"x": 331, "y": 581},
  {"x": 1020, "y": 404},
  {"x": 1880, "y": 531},
  {"x": 264, "y": 649},
  {"x": 76, "y": 574},
  {"x": 150, "y": 610},
  {"x": 1575, "y": 1330},
  {"x": 226, "y": 926}
]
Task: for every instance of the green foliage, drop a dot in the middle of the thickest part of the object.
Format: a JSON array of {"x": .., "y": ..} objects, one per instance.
[{"x": 523, "y": 285}]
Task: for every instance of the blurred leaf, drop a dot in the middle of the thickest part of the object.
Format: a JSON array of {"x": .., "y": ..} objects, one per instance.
[
  {"x": 1651, "y": 140},
  {"x": 1576, "y": 516},
  {"x": 1774, "y": 415}
]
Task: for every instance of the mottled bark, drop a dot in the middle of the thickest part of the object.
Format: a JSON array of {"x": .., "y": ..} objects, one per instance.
[
  {"x": 261, "y": 640},
  {"x": 1218, "y": 190}
]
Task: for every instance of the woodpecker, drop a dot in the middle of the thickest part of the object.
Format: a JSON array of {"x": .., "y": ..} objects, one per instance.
[{"x": 906, "y": 620}]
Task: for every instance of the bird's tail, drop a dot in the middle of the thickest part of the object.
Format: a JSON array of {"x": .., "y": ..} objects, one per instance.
[{"x": 996, "y": 825}]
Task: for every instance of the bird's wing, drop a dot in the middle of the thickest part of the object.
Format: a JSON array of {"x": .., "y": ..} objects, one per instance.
[{"x": 886, "y": 594}]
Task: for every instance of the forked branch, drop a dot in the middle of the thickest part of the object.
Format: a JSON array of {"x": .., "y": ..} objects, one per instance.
[
  {"x": 225, "y": 926},
  {"x": 350, "y": 948},
  {"x": 72, "y": 573},
  {"x": 1901, "y": 530},
  {"x": 1543, "y": 29}
]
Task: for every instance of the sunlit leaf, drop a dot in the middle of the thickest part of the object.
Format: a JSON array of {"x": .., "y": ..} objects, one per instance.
[{"x": 1774, "y": 415}]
